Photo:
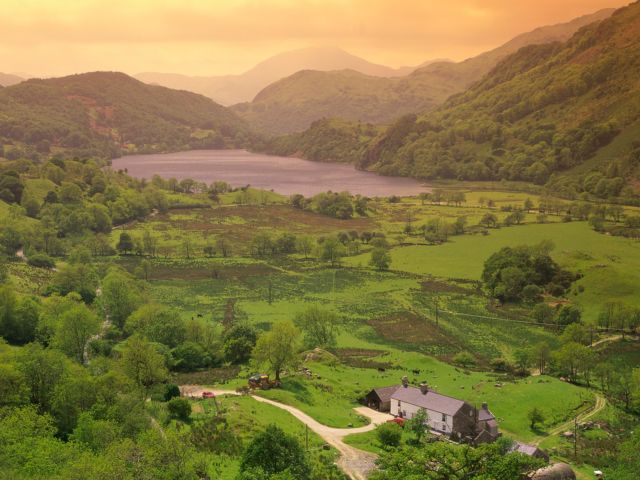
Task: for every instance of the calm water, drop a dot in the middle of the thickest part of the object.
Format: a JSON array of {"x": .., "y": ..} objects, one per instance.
[{"x": 281, "y": 174}]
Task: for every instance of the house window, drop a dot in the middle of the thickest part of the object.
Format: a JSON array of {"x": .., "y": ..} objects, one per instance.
[{"x": 444, "y": 417}]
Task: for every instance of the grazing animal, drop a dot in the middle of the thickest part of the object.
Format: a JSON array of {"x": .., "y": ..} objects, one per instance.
[
  {"x": 416, "y": 371},
  {"x": 381, "y": 369}
]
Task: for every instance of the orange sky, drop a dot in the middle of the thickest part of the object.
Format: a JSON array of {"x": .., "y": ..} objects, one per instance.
[{"x": 211, "y": 37}]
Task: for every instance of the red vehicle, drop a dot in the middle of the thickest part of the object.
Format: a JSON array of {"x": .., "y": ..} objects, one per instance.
[
  {"x": 208, "y": 395},
  {"x": 398, "y": 421}
]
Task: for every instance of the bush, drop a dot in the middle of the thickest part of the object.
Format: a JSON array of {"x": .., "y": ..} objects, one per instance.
[
  {"x": 464, "y": 358},
  {"x": 179, "y": 409},
  {"x": 171, "y": 391},
  {"x": 41, "y": 260},
  {"x": 389, "y": 434}
]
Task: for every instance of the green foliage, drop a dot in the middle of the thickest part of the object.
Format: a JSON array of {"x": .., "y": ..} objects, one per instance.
[
  {"x": 149, "y": 118},
  {"x": 120, "y": 296},
  {"x": 273, "y": 452},
  {"x": 179, "y": 409},
  {"x": 278, "y": 347},
  {"x": 535, "y": 416},
  {"x": 143, "y": 364},
  {"x": 41, "y": 260},
  {"x": 443, "y": 460},
  {"x": 418, "y": 424},
  {"x": 389, "y": 434},
  {"x": 238, "y": 343},
  {"x": 319, "y": 326},
  {"x": 511, "y": 273},
  {"x": 171, "y": 391},
  {"x": 380, "y": 258}
]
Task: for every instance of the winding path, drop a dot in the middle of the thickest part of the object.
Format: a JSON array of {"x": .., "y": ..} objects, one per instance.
[
  {"x": 354, "y": 462},
  {"x": 601, "y": 402}
]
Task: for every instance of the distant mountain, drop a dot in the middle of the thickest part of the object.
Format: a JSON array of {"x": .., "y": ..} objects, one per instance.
[
  {"x": 293, "y": 103},
  {"x": 231, "y": 89},
  {"x": 7, "y": 79},
  {"x": 103, "y": 113},
  {"x": 564, "y": 114}
]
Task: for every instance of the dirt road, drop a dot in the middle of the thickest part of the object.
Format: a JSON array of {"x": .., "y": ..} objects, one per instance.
[
  {"x": 354, "y": 462},
  {"x": 601, "y": 402}
]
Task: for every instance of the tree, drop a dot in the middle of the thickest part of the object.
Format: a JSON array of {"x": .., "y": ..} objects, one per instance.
[
  {"x": 13, "y": 386},
  {"x": 541, "y": 352},
  {"x": 305, "y": 246},
  {"x": 489, "y": 220},
  {"x": 238, "y": 343},
  {"x": 43, "y": 369},
  {"x": 389, "y": 434},
  {"x": 528, "y": 204},
  {"x": 568, "y": 314},
  {"x": 319, "y": 326},
  {"x": 278, "y": 347},
  {"x": 418, "y": 424},
  {"x": 179, "y": 409},
  {"x": 125, "y": 243},
  {"x": 143, "y": 364},
  {"x": 331, "y": 250},
  {"x": 157, "y": 323},
  {"x": 223, "y": 247},
  {"x": 77, "y": 325},
  {"x": 380, "y": 258},
  {"x": 273, "y": 452},
  {"x": 120, "y": 296},
  {"x": 535, "y": 417}
]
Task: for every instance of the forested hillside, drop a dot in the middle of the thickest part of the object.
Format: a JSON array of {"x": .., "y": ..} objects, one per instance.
[
  {"x": 103, "y": 113},
  {"x": 7, "y": 79},
  {"x": 544, "y": 110},
  {"x": 294, "y": 103}
]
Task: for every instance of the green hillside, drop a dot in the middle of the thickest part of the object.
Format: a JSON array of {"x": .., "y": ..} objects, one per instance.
[
  {"x": 545, "y": 110},
  {"x": 103, "y": 113},
  {"x": 295, "y": 102},
  {"x": 327, "y": 140}
]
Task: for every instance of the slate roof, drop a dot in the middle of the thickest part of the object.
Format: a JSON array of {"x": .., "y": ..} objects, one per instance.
[
  {"x": 385, "y": 393},
  {"x": 485, "y": 415},
  {"x": 525, "y": 448},
  {"x": 431, "y": 400}
]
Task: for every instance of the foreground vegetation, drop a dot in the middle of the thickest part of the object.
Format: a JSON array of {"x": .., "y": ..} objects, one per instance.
[{"x": 114, "y": 291}]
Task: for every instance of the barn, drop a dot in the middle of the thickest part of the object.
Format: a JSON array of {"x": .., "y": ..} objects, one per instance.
[{"x": 380, "y": 398}]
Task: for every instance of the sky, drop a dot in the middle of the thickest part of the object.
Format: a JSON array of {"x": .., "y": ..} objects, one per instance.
[{"x": 214, "y": 37}]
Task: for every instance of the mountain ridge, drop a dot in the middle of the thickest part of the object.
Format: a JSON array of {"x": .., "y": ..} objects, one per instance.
[
  {"x": 291, "y": 104},
  {"x": 105, "y": 113},
  {"x": 233, "y": 89}
]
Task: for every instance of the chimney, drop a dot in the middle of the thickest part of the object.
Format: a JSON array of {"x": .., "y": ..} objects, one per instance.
[
  {"x": 424, "y": 388},
  {"x": 485, "y": 406},
  {"x": 405, "y": 381}
]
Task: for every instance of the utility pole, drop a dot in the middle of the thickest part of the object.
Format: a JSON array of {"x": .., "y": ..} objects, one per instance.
[
  {"x": 306, "y": 436},
  {"x": 575, "y": 438},
  {"x": 437, "y": 313}
]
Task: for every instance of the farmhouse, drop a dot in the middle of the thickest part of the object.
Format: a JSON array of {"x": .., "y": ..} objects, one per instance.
[{"x": 445, "y": 415}]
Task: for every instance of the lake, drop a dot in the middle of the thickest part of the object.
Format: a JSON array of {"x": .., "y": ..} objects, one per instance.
[{"x": 284, "y": 175}]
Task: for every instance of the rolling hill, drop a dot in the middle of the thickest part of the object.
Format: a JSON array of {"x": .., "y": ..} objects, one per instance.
[
  {"x": 564, "y": 114},
  {"x": 232, "y": 89},
  {"x": 102, "y": 113},
  {"x": 293, "y": 103},
  {"x": 7, "y": 79}
]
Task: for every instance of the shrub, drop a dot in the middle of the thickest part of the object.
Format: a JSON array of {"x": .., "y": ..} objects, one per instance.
[
  {"x": 171, "y": 391},
  {"x": 179, "y": 409},
  {"x": 389, "y": 434},
  {"x": 41, "y": 260},
  {"x": 464, "y": 358}
]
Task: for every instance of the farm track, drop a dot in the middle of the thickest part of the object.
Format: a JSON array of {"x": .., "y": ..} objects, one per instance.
[
  {"x": 601, "y": 402},
  {"x": 354, "y": 463}
]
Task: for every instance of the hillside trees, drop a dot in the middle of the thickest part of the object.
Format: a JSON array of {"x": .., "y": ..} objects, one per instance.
[
  {"x": 319, "y": 326},
  {"x": 509, "y": 271},
  {"x": 278, "y": 347}
]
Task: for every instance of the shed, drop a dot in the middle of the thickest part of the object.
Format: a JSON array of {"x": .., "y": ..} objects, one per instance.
[
  {"x": 557, "y": 471},
  {"x": 530, "y": 450},
  {"x": 380, "y": 398}
]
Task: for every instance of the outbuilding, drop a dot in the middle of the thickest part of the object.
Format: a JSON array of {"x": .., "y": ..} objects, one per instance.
[{"x": 380, "y": 398}]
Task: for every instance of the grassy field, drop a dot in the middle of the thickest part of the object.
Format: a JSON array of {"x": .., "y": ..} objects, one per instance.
[{"x": 610, "y": 265}]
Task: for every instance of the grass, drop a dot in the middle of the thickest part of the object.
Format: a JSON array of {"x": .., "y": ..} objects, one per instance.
[{"x": 611, "y": 265}]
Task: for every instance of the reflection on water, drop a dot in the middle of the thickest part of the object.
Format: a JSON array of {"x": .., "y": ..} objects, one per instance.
[{"x": 281, "y": 174}]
